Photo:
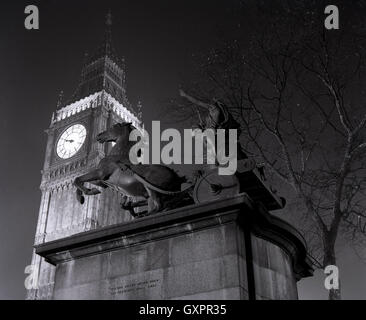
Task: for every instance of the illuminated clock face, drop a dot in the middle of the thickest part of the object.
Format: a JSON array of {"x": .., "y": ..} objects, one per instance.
[{"x": 71, "y": 141}]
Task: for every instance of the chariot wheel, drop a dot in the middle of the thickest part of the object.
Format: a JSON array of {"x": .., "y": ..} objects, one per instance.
[{"x": 212, "y": 186}]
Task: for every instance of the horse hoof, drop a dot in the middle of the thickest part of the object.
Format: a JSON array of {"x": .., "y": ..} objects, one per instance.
[
  {"x": 94, "y": 191},
  {"x": 125, "y": 207},
  {"x": 80, "y": 197}
]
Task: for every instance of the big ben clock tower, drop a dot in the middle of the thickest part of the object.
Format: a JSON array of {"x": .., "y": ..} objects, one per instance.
[{"x": 99, "y": 102}]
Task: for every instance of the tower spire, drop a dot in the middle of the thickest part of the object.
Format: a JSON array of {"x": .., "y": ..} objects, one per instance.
[
  {"x": 103, "y": 70},
  {"x": 108, "y": 33}
]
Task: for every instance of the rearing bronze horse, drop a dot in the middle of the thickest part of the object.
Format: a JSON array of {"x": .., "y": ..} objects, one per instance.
[{"x": 116, "y": 169}]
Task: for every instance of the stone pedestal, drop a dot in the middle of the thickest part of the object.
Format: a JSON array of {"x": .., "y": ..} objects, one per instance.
[{"x": 226, "y": 249}]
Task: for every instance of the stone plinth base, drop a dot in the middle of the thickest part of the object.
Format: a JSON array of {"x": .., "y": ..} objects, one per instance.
[{"x": 227, "y": 249}]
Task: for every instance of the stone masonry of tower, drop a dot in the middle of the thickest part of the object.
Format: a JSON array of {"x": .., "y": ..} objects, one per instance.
[{"x": 98, "y": 102}]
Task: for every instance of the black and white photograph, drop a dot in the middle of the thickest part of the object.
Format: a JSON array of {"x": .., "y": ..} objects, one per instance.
[{"x": 201, "y": 151}]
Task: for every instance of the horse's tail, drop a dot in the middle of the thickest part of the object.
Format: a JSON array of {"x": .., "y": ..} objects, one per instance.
[{"x": 157, "y": 189}]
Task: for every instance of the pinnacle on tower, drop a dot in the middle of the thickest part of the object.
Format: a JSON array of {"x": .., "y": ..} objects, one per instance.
[
  {"x": 108, "y": 34},
  {"x": 59, "y": 100}
]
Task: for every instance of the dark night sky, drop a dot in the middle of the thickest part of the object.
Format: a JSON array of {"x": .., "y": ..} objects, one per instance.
[{"x": 159, "y": 40}]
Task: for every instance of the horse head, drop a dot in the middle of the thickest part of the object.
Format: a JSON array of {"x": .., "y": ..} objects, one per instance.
[{"x": 117, "y": 131}]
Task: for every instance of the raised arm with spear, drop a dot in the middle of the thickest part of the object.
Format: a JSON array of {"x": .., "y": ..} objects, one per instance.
[{"x": 218, "y": 117}]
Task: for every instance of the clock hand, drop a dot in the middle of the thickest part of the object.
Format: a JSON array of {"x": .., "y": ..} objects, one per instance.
[{"x": 71, "y": 141}]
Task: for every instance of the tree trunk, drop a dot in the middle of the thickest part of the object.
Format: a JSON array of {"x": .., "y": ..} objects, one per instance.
[{"x": 330, "y": 259}]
